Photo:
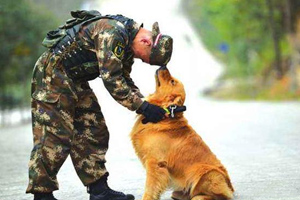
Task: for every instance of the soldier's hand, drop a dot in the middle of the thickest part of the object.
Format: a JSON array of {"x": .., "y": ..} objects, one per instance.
[{"x": 152, "y": 113}]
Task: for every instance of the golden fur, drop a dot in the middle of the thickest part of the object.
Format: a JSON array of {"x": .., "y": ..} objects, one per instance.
[{"x": 174, "y": 155}]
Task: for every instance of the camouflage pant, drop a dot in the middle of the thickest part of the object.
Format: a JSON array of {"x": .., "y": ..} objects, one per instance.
[{"x": 66, "y": 119}]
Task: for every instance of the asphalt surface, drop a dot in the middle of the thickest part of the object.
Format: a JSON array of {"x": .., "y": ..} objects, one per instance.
[{"x": 257, "y": 142}]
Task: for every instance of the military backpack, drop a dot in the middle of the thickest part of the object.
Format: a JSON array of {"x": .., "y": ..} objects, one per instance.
[{"x": 80, "y": 64}]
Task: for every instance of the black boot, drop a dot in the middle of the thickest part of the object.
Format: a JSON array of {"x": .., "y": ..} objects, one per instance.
[
  {"x": 44, "y": 196},
  {"x": 101, "y": 191}
]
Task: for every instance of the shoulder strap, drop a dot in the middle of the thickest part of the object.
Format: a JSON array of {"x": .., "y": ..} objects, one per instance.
[
  {"x": 128, "y": 23},
  {"x": 80, "y": 17}
]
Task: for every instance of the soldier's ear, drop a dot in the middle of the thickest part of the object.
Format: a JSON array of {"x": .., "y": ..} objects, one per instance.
[{"x": 146, "y": 41}]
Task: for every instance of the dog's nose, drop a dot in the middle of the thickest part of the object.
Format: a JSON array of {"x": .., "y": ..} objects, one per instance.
[{"x": 162, "y": 68}]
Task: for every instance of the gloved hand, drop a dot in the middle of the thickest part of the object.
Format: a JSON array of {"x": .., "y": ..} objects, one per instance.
[{"x": 151, "y": 112}]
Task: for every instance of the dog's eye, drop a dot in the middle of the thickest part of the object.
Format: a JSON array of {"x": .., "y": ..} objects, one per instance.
[{"x": 173, "y": 82}]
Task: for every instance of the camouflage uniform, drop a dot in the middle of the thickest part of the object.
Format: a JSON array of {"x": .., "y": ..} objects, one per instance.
[{"x": 66, "y": 116}]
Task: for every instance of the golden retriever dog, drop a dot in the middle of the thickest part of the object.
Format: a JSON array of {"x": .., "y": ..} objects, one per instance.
[{"x": 174, "y": 155}]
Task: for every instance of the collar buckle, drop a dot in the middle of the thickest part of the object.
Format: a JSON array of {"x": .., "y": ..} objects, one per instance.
[{"x": 172, "y": 109}]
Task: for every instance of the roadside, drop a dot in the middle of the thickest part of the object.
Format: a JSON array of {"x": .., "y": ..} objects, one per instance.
[
  {"x": 14, "y": 117},
  {"x": 270, "y": 89}
]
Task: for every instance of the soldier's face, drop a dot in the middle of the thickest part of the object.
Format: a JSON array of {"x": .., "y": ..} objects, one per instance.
[
  {"x": 142, "y": 51},
  {"x": 146, "y": 46},
  {"x": 146, "y": 58},
  {"x": 142, "y": 45}
]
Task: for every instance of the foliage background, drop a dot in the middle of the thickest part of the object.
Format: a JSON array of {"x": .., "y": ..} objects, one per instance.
[
  {"x": 23, "y": 25},
  {"x": 256, "y": 42}
]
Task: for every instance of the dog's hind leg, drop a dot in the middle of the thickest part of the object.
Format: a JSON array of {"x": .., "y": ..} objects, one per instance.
[
  {"x": 214, "y": 184},
  {"x": 157, "y": 179},
  {"x": 180, "y": 195},
  {"x": 202, "y": 197}
]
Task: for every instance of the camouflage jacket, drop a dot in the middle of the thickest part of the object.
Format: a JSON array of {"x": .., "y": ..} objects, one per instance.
[{"x": 111, "y": 42}]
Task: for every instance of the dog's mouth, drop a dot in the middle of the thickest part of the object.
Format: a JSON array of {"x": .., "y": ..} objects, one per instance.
[{"x": 157, "y": 75}]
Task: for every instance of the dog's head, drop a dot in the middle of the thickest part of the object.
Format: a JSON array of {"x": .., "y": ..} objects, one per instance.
[{"x": 169, "y": 90}]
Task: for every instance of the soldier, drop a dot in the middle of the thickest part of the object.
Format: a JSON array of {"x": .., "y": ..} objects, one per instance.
[{"x": 66, "y": 116}]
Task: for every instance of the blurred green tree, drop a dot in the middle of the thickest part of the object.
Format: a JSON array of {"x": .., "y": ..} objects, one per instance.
[
  {"x": 292, "y": 21},
  {"x": 23, "y": 25},
  {"x": 22, "y": 28},
  {"x": 243, "y": 26}
]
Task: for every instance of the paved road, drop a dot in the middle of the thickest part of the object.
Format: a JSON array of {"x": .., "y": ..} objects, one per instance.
[{"x": 258, "y": 142}]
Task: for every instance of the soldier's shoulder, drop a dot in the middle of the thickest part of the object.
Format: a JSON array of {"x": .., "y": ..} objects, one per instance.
[
  {"x": 107, "y": 23},
  {"x": 117, "y": 24},
  {"x": 110, "y": 27}
]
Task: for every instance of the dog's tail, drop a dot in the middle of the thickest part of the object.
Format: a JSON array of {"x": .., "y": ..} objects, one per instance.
[{"x": 212, "y": 182}]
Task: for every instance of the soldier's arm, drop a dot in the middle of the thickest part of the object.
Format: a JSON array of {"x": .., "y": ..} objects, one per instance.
[
  {"x": 109, "y": 47},
  {"x": 127, "y": 66}
]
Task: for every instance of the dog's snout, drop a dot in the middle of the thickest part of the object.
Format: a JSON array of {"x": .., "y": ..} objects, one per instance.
[
  {"x": 162, "y": 75},
  {"x": 162, "y": 68},
  {"x": 157, "y": 71}
]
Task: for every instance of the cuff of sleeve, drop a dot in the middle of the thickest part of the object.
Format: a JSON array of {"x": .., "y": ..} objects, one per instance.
[
  {"x": 137, "y": 103},
  {"x": 142, "y": 108}
]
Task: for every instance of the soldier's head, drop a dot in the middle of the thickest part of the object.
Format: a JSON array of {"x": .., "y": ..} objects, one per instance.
[{"x": 152, "y": 46}]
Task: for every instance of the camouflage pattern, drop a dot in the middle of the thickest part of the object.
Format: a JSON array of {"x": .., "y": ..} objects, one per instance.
[
  {"x": 162, "y": 48},
  {"x": 67, "y": 119},
  {"x": 111, "y": 43},
  {"x": 66, "y": 116}
]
